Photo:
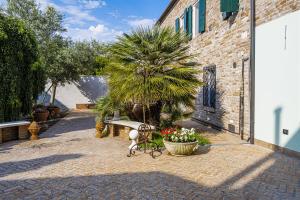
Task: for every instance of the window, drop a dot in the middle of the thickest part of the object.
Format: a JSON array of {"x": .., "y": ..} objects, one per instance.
[
  {"x": 209, "y": 88},
  {"x": 181, "y": 21},
  {"x": 228, "y": 7},
  {"x": 202, "y": 16},
  {"x": 188, "y": 21},
  {"x": 195, "y": 19},
  {"x": 199, "y": 17},
  {"x": 177, "y": 25}
]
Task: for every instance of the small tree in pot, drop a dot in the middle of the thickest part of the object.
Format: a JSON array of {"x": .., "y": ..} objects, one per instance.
[{"x": 104, "y": 107}]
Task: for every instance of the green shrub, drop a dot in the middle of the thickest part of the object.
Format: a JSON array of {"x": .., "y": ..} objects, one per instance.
[
  {"x": 202, "y": 140},
  {"x": 18, "y": 50}
]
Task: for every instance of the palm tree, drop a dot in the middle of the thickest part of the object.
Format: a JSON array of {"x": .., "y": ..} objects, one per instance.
[{"x": 153, "y": 64}]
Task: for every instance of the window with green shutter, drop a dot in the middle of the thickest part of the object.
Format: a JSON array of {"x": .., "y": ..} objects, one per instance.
[
  {"x": 202, "y": 17},
  {"x": 190, "y": 22},
  {"x": 229, "y": 5},
  {"x": 177, "y": 25},
  {"x": 185, "y": 18}
]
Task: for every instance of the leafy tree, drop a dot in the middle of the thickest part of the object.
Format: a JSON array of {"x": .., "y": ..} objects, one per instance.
[
  {"x": 18, "y": 50},
  {"x": 153, "y": 65},
  {"x": 86, "y": 56}
]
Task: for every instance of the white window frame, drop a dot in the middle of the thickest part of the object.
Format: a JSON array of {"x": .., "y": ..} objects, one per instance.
[
  {"x": 195, "y": 19},
  {"x": 181, "y": 22}
]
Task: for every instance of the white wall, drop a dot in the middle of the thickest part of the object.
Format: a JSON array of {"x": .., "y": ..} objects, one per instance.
[
  {"x": 87, "y": 90},
  {"x": 277, "y": 82}
]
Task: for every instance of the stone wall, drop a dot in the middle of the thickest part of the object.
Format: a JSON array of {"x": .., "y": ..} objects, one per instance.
[{"x": 226, "y": 43}]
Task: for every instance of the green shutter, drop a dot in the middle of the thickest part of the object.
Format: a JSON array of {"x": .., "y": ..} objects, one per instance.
[
  {"x": 190, "y": 21},
  {"x": 202, "y": 15},
  {"x": 229, "y": 5},
  {"x": 177, "y": 25},
  {"x": 185, "y": 18}
]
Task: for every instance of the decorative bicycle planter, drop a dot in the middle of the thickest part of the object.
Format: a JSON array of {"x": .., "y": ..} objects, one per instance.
[{"x": 141, "y": 139}]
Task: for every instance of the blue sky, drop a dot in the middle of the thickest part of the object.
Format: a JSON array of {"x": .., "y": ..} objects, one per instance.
[{"x": 104, "y": 19}]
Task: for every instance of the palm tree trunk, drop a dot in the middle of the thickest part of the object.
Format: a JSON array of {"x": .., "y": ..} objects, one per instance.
[{"x": 144, "y": 114}]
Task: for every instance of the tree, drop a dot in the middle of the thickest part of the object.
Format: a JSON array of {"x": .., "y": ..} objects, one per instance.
[
  {"x": 151, "y": 65},
  {"x": 54, "y": 62},
  {"x": 85, "y": 56},
  {"x": 18, "y": 50}
]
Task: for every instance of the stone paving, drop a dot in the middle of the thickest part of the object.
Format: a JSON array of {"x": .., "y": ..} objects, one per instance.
[{"x": 69, "y": 163}]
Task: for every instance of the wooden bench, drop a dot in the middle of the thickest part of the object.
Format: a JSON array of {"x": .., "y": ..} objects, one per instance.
[
  {"x": 14, "y": 130},
  {"x": 122, "y": 128}
]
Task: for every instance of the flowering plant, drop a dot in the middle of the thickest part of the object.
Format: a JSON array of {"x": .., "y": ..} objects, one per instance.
[{"x": 179, "y": 135}]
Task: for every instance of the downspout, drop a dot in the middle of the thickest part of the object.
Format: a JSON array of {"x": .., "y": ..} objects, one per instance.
[{"x": 252, "y": 70}]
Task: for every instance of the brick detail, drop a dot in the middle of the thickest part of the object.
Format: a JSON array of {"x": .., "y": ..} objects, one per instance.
[
  {"x": 23, "y": 132},
  {"x": 9, "y": 134}
]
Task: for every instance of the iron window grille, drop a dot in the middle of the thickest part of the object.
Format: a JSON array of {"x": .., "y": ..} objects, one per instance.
[{"x": 209, "y": 88}]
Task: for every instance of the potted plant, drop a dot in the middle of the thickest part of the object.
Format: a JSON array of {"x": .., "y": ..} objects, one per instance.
[
  {"x": 40, "y": 113},
  {"x": 180, "y": 141},
  {"x": 99, "y": 126},
  {"x": 53, "y": 110},
  {"x": 103, "y": 109}
]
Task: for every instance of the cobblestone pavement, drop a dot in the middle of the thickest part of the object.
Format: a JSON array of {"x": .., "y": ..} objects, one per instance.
[{"x": 70, "y": 163}]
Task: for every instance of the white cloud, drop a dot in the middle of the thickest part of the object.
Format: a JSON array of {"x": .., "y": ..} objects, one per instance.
[
  {"x": 75, "y": 14},
  {"x": 92, "y": 4},
  {"x": 99, "y": 32},
  {"x": 141, "y": 22}
]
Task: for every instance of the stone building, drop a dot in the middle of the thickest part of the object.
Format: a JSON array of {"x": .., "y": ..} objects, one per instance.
[{"x": 221, "y": 38}]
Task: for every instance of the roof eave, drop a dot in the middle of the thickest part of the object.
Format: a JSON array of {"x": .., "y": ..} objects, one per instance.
[{"x": 166, "y": 12}]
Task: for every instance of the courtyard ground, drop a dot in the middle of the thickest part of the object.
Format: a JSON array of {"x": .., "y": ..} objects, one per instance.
[{"x": 68, "y": 162}]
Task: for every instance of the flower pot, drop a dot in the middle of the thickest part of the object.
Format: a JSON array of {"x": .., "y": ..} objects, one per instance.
[
  {"x": 54, "y": 110},
  {"x": 34, "y": 129},
  {"x": 99, "y": 129},
  {"x": 180, "y": 149},
  {"x": 41, "y": 115}
]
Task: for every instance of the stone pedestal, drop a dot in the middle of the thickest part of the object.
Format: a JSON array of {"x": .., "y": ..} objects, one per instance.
[
  {"x": 124, "y": 132},
  {"x": 111, "y": 130},
  {"x": 23, "y": 132}
]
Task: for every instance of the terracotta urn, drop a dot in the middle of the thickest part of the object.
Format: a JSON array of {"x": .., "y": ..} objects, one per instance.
[
  {"x": 99, "y": 129},
  {"x": 54, "y": 110},
  {"x": 34, "y": 129},
  {"x": 41, "y": 115}
]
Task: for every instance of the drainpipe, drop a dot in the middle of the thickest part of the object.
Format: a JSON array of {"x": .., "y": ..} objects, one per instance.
[{"x": 252, "y": 71}]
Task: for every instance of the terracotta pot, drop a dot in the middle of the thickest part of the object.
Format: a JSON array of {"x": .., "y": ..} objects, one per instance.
[
  {"x": 54, "y": 109},
  {"x": 180, "y": 149},
  {"x": 99, "y": 129},
  {"x": 34, "y": 129},
  {"x": 41, "y": 116}
]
